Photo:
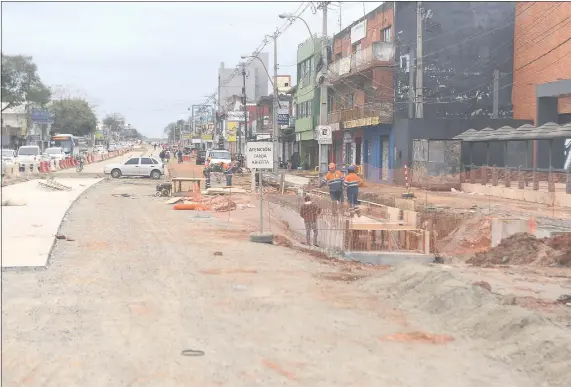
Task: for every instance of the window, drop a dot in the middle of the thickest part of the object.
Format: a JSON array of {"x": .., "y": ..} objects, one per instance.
[
  {"x": 310, "y": 108},
  {"x": 134, "y": 161},
  {"x": 405, "y": 63},
  {"x": 338, "y": 56},
  {"x": 356, "y": 47},
  {"x": 349, "y": 101},
  {"x": 386, "y": 34},
  {"x": 155, "y": 161},
  {"x": 146, "y": 161}
]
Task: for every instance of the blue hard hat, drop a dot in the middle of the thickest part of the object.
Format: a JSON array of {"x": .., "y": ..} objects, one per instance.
[{"x": 351, "y": 168}]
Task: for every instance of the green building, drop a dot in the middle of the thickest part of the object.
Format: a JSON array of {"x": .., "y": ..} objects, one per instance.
[{"x": 307, "y": 102}]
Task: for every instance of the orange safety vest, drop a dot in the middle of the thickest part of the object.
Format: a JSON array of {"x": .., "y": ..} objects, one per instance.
[
  {"x": 334, "y": 180},
  {"x": 352, "y": 180}
]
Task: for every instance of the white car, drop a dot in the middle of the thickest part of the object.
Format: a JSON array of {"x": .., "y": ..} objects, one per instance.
[
  {"x": 29, "y": 155},
  {"x": 136, "y": 166},
  {"x": 9, "y": 156},
  {"x": 99, "y": 149},
  {"x": 218, "y": 156},
  {"x": 54, "y": 154}
]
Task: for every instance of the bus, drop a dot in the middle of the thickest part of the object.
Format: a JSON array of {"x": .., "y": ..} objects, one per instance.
[{"x": 68, "y": 142}]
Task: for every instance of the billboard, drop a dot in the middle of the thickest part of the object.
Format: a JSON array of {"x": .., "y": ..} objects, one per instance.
[
  {"x": 358, "y": 31},
  {"x": 283, "y": 83},
  {"x": 202, "y": 115},
  {"x": 42, "y": 116},
  {"x": 231, "y": 130},
  {"x": 236, "y": 116}
]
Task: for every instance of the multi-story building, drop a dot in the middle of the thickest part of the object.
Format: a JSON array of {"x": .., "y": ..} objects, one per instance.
[
  {"x": 257, "y": 80},
  {"x": 307, "y": 99},
  {"x": 361, "y": 92},
  {"x": 374, "y": 84},
  {"x": 542, "y": 54},
  {"x": 14, "y": 126}
]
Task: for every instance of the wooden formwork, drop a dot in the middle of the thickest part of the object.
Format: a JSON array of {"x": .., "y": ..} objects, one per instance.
[{"x": 385, "y": 237}]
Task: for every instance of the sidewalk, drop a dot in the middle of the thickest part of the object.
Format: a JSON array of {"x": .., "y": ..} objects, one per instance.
[{"x": 28, "y": 231}]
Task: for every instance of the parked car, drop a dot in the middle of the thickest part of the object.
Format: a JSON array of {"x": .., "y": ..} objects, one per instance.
[
  {"x": 200, "y": 157},
  {"x": 100, "y": 150},
  {"x": 8, "y": 156},
  {"x": 136, "y": 166},
  {"x": 29, "y": 155},
  {"x": 55, "y": 153}
]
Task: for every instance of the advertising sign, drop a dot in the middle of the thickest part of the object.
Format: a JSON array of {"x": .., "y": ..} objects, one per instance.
[
  {"x": 236, "y": 116},
  {"x": 231, "y": 130},
  {"x": 42, "y": 116},
  {"x": 283, "y": 83},
  {"x": 324, "y": 136},
  {"x": 260, "y": 155},
  {"x": 358, "y": 31}
]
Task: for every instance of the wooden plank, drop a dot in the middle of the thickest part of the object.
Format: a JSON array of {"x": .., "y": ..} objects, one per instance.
[
  {"x": 382, "y": 226},
  {"x": 181, "y": 179}
]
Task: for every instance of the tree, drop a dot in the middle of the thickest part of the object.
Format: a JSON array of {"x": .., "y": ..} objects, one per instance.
[
  {"x": 21, "y": 83},
  {"x": 174, "y": 130},
  {"x": 73, "y": 116},
  {"x": 114, "y": 122}
]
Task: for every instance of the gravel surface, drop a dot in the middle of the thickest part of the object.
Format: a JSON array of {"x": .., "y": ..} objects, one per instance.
[{"x": 139, "y": 283}]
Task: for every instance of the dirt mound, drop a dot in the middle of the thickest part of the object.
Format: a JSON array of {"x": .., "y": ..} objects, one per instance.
[
  {"x": 525, "y": 249},
  {"x": 471, "y": 236},
  {"x": 508, "y": 333}
]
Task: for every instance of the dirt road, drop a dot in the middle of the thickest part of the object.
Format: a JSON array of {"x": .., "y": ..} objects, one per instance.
[{"x": 139, "y": 283}]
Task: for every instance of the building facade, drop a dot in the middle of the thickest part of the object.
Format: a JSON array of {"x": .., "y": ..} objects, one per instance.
[
  {"x": 257, "y": 80},
  {"x": 361, "y": 93},
  {"x": 541, "y": 55},
  {"x": 307, "y": 99}
]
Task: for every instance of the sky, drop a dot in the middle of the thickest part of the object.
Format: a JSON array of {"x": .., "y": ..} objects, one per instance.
[{"x": 152, "y": 61}]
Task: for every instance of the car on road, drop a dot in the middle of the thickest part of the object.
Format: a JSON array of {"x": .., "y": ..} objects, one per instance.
[
  {"x": 100, "y": 150},
  {"x": 200, "y": 157},
  {"x": 219, "y": 156},
  {"x": 136, "y": 166},
  {"x": 29, "y": 155},
  {"x": 55, "y": 153}
]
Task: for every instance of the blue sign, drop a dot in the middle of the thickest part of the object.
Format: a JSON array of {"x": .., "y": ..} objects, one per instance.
[
  {"x": 283, "y": 119},
  {"x": 42, "y": 116}
]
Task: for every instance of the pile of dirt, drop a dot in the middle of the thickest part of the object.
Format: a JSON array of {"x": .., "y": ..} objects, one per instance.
[
  {"x": 522, "y": 338},
  {"x": 471, "y": 236},
  {"x": 526, "y": 249}
]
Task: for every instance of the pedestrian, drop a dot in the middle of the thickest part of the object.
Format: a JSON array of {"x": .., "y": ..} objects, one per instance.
[
  {"x": 351, "y": 183},
  {"x": 227, "y": 169},
  {"x": 309, "y": 212},
  {"x": 155, "y": 146},
  {"x": 162, "y": 155},
  {"x": 179, "y": 154},
  {"x": 334, "y": 180}
]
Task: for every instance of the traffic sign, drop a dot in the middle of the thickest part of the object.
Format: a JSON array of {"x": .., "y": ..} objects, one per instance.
[
  {"x": 260, "y": 155},
  {"x": 324, "y": 136}
]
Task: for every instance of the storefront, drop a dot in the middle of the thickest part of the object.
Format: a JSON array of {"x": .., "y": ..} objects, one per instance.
[{"x": 378, "y": 145}]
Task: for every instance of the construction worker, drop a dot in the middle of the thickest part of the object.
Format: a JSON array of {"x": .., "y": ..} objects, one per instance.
[
  {"x": 334, "y": 180},
  {"x": 206, "y": 172},
  {"x": 351, "y": 184},
  {"x": 227, "y": 169}
]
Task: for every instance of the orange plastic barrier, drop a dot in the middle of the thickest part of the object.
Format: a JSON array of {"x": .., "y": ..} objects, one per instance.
[{"x": 190, "y": 206}]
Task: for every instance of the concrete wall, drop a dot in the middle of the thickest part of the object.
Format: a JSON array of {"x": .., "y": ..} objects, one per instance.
[
  {"x": 558, "y": 199},
  {"x": 458, "y": 73},
  {"x": 257, "y": 80}
]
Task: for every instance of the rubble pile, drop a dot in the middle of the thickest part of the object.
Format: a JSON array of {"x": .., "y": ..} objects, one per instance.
[{"x": 526, "y": 249}]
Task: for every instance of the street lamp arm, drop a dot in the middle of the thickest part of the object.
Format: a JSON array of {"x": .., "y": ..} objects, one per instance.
[
  {"x": 263, "y": 65},
  {"x": 289, "y": 16}
]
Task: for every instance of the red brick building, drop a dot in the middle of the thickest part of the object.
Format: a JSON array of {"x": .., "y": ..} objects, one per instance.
[{"x": 540, "y": 56}]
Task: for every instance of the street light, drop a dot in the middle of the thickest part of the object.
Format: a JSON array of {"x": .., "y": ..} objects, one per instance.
[
  {"x": 290, "y": 16},
  {"x": 262, "y": 62}
]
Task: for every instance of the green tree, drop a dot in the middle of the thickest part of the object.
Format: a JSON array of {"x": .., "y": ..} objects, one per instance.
[
  {"x": 73, "y": 116},
  {"x": 21, "y": 82},
  {"x": 114, "y": 122},
  {"x": 173, "y": 130}
]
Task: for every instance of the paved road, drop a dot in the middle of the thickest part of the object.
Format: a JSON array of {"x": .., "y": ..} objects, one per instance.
[{"x": 140, "y": 283}]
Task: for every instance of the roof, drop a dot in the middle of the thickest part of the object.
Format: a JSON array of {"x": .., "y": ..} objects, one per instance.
[
  {"x": 547, "y": 131},
  {"x": 383, "y": 7}
]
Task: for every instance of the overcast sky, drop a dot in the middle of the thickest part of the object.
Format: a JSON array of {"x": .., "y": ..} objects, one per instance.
[{"x": 151, "y": 61}]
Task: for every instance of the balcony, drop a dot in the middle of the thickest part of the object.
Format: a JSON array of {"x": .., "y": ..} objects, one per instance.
[
  {"x": 373, "y": 114},
  {"x": 379, "y": 53}
]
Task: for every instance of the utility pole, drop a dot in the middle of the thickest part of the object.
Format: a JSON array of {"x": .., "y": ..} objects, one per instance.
[
  {"x": 276, "y": 133},
  {"x": 244, "y": 97},
  {"x": 219, "y": 115},
  {"x": 420, "y": 68},
  {"x": 496, "y": 93},
  {"x": 411, "y": 67},
  {"x": 244, "y": 101},
  {"x": 323, "y": 149}
]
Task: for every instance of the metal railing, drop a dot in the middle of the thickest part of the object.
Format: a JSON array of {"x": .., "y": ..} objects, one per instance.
[{"x": 376, "y": 53}]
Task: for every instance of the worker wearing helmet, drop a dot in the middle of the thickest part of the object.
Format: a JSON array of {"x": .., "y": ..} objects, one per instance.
[
  {"x": 334, "y": 180},
  {"x": 351, "y": 184}
]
